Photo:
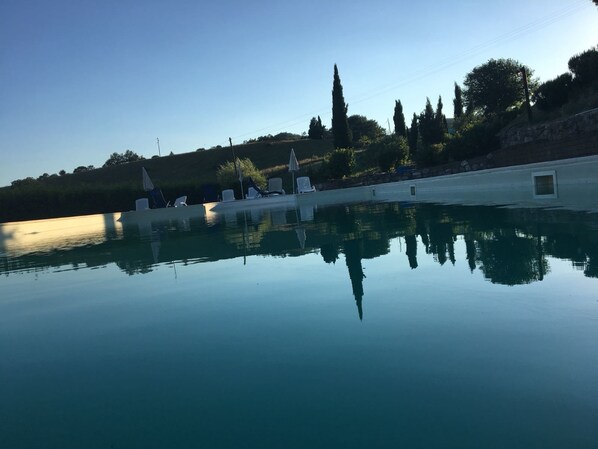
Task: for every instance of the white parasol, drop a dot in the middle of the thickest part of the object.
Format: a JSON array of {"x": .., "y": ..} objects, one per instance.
[
  {"x": 148, "y": 185},
  {"x": 293, "y": 166}
]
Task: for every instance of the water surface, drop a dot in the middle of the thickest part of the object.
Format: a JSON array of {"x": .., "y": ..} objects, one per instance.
[{"x": 365, "y": 325}]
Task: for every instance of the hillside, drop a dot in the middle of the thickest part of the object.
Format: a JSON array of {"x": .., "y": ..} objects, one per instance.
[
  {"x": 115, "y": 188},
  {"x": 199, "y": 167}
]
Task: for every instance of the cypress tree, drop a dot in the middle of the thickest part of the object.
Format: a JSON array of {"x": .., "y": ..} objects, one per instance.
[
  {"x": 458, "y": 102},
  {"x": 316, "y": 129},
  {"x": 340, "y": 126},
  {"x": 312, "y": 132},
  {"x": 412, "y": 138},
  {"x": 399, "y": 120},
  {"x": 440, "y": 119},
  {"x": 427, "y": 124}
]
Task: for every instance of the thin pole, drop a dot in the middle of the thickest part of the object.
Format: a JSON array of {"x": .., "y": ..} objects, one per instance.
[
  {"x": 230, "y": 141},
  {"x": 158, "y": 141},
  {"x": 527, "y": 104}
]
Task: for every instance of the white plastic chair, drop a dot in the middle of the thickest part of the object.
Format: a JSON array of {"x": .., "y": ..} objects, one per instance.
[
  {"x": 142, "y": 204},
  {"x": 304, "y": 185},
  {"x": 252, "y": 194},
  {"x": 180, "y": 201},
  {"x": 228, "y": 195},
  {"x": 275, "y": 185}
]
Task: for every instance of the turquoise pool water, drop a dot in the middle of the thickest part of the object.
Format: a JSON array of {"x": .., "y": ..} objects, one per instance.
[{"x": 364, "y": 325}]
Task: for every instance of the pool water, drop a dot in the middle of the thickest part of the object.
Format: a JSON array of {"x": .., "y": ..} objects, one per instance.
[{"x": 363, "y": 325}]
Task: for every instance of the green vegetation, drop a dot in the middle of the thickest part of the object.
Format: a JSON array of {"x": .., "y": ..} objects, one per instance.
[
  {"x": 340, "y": 163},
  {"x": 493, "y": 98},
  {"x": 116, "y": 187},
  {"x": 229, "y": 177}
]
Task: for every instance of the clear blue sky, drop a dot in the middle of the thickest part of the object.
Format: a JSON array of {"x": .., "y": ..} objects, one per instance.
[{"x": 82, "y": 79}]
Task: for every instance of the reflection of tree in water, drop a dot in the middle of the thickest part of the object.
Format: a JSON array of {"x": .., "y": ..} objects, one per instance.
[
  {"x": 442, "y": 240},
  {"x": 411, "y": 250},
  {"x": 511, "y": 259},
  {"x": 329, "y": 252},
  {"x": 470, "y": 250},
  {"x": 353, "y": 255},
  {"x": 132, "y": 267}
]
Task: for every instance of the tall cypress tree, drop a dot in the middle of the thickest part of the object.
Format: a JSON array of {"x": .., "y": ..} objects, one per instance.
[
  {"x": 458, "y": 102},
  {"x": 440, "y": 119},
  {"x": 412, "y": 138},
  {"x": 427, "y": 124},
  {"x": 340, "y": 126},
  {"x": 399, "y": 120}
]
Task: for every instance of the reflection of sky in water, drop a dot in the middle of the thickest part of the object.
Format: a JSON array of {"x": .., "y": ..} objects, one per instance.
[{"x": 233, "y": 334}]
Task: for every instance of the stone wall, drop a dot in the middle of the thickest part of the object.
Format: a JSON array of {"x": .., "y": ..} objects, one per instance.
[{"x": 570, "y": 127}]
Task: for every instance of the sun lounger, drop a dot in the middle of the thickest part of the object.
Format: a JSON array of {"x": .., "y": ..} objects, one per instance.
[
  {"x": 304, "y": 185},
  {"x": 275, "y": 186},
  {"x": 228, "y": 195},
  {"x": 180, "y": 201}
]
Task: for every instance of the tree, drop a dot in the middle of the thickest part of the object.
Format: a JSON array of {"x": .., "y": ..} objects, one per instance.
[
  {"x": 441, "y": 127},
  {"x": 412, "y": 137},
  {"x": 361, "y": 127},
  {"x": 123, "y": 158},
  {"x": 427, "y": 124},
  {"x": 399, "y": 120},
  {"x": 458, "y": 102},
  {"x": 554, "y": 93},
  {"x": 82, "y": 168},
  {"x": 584, "y": 67},
  {"x": 340, "y": 126},
  {"x": 316, "y": 129},
  {"x": 496, "y": 86}
]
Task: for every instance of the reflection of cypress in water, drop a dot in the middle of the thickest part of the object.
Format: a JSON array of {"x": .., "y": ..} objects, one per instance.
[
  {"x": 353, "y": 259},
  {"x": 470, "y": 250},
  {"x": 411, "y": 244}
]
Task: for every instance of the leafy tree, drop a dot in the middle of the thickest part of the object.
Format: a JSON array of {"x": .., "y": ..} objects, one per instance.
[
  {"x": 62, "y": 173},
  {"x": 340, "y": 126},
  {"x": 413, "y": 133},
  {"x": 584, "y": 67},
  {"x": 458, "y": 102},
  {"x": 360, "y": 127},
  {"x": 82, "y": 168},
  {"x": 123, "y": 158},
  {"x": 399, "y": 120},
  {"x": 23, "y": 182},
  {"x": 340, "y": 163},
  {"x": 554, "y": 93},
  {"x": 316, "y": 129},
  {"x": 496, "y": 86}
]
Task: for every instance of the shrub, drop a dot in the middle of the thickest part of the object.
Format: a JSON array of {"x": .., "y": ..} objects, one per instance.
[
  {"x": 477, "y": 137},
  {"x": 340, "y": 163},
  {"x": 228, "y": 178},
  {"x": 390, "y": 151}
]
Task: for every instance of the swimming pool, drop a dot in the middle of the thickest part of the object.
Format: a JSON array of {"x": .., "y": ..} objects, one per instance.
[{"x": 389, "y": 324}]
